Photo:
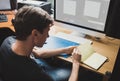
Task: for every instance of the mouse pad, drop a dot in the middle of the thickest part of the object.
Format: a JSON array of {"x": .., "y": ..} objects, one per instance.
[{"x": 53, "y": 42}]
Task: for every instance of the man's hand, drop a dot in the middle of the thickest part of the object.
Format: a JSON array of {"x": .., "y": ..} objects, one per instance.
[
  {"x": 76, "y": 57},
  {"x": 69, "y": 49}
]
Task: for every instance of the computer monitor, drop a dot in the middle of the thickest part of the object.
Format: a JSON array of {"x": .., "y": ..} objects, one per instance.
[
  {"x": 8, "y": 5},
  {"x": 5, "y": 5},
  {"x": 85, "y": 16}
]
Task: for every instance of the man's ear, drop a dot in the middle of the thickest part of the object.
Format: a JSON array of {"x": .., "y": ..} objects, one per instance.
[{"x": 35, "y": 32}]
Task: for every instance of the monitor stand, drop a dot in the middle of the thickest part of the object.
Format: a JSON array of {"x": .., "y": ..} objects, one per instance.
[{"x": 78, "y": 34}]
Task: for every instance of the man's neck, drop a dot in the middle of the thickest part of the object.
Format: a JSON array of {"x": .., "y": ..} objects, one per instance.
[{"x": 22, "y": 48}]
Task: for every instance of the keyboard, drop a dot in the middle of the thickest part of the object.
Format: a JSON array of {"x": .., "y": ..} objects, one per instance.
[
  {"x": 73, "y": 38},
  {"x": 3, "y": 17}
]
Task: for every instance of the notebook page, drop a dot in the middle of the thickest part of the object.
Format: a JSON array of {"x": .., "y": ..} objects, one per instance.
[
  {"x": 95, "y": 60},
  {"x": 86, "y": 51}
]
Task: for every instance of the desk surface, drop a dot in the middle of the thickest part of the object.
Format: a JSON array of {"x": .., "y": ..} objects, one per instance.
[
  {"x": 8, "y": 24},
  {"x": 108, "y": 49}
]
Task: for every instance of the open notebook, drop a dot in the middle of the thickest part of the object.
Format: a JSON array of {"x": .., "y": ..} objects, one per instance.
[{"x": 90, "y": 57}]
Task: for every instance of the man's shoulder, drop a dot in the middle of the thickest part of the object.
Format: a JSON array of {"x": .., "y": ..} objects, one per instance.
[
  {"x": 10, "y": 38},
  {"x": 8, "y": 41}
]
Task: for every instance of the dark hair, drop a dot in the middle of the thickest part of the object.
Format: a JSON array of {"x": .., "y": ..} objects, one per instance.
[{"x": 28, "y": 18}]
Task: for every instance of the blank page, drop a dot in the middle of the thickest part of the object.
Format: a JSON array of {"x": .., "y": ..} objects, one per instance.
[{"x": 95, "y": 60}]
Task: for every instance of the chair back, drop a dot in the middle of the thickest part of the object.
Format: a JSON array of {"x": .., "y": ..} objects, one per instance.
[{"x": 5, "y": 32}]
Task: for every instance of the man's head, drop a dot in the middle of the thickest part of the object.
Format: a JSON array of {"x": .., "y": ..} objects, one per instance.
[{"x": 29, "y": 18}]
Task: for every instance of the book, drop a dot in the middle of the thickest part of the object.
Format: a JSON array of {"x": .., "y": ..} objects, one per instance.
[{"x": 90, "y": 57}]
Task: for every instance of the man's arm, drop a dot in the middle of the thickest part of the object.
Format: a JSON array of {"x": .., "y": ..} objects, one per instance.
[
  {"x": 76, "y": 57},
  {"x": 75, "y": 71},
  {"x": 44, "y": 53}
]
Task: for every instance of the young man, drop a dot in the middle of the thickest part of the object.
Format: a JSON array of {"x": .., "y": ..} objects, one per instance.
[{"x": 32, "y": 25}]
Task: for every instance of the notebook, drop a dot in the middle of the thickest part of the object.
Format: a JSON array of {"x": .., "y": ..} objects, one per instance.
[{"x": 91, "y": 57}]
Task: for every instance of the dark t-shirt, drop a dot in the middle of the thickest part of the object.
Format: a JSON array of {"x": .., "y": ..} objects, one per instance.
[{"x": 19, "y": 68}]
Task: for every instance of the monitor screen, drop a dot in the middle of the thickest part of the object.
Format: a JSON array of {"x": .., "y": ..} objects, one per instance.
[
  {"x": 5, "y": 5},
  {"x": 87, "y": 14},
  {"x": 8, "y": 5}
]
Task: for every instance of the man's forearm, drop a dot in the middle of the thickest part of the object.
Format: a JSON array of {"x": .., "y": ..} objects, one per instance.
[
  {"x": 74, "y": 73},
  {"x": 44, "y": 53}
]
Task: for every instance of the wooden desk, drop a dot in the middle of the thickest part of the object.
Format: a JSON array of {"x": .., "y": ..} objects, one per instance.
[
  {"x": 8, "y": 24},
  {"x": 107, "y": 48}
]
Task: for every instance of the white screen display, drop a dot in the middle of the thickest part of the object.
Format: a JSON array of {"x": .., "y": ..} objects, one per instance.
[
  {"x": 5, "y": 5},
  {"x": 86, "y": 13}
]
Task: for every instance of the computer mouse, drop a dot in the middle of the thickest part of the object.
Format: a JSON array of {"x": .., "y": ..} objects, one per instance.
[{"x": 13, "y": 21}]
